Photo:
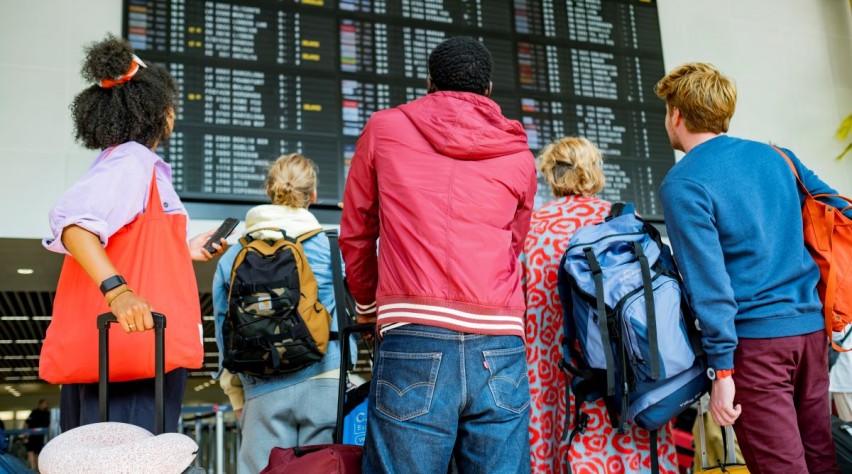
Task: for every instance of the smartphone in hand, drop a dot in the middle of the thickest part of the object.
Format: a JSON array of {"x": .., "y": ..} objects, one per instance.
[{"x": 224, "y": 230}]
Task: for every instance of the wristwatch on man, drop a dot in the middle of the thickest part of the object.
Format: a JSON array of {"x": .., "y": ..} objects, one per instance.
[
  {"x": 714, "y": 374},
  {"x": 112, "y": 283}
]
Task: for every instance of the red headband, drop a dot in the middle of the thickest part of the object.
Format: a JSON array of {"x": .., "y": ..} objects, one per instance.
[{"x": 134, "y": 68}]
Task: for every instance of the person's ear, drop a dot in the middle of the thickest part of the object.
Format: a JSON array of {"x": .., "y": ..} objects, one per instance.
[
  {"x": 313, "y": 197},
  {"x": 489, "y": 89},
  {"x": 430, "y": 85},
  {"x": 677, "y": 117}
]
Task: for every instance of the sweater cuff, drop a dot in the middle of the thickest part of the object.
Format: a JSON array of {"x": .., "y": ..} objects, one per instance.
[
  {"x": 723, "y": 361},
  {"x": 366, "y": 309}
]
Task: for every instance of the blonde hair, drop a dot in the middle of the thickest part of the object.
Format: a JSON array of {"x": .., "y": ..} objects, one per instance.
[
  {"x": 706, "y": 98},
  {"x": 572, "y": 165},
  {"x": 292, "y": 180}
]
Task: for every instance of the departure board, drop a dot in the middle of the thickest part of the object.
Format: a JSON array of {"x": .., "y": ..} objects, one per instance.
[{"x": 258, "y": 79}]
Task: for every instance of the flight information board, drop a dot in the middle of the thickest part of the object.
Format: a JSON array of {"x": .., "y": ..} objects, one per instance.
[{"x": 259, "y": 78}]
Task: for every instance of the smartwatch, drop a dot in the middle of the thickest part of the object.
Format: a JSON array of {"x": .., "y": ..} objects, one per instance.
[
  {"x": 713, "y": 374},
  {"x": 112, "y": 283}
]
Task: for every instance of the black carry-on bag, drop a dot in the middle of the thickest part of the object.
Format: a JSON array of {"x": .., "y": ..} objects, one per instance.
[{"x": 119, "y": 447}]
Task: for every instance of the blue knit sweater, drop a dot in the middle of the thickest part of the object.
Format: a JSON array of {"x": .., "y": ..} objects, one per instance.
[{"x": 733, "y": 214}]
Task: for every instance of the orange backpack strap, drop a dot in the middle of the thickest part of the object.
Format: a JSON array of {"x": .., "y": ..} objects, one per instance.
[{"x": 307, "y": 235}]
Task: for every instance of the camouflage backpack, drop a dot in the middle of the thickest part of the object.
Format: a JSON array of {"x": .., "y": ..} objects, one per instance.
[{"x": 275, "y": 322}]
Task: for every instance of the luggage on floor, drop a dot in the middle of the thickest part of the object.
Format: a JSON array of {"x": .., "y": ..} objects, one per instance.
[
  {"x": 9, "y": 464},
  {"x": 704, "y": 462},
  {"x": 685, "y": 449},
  {"x": 841, "y": 431},
  {"x": 116, "y": 448}
]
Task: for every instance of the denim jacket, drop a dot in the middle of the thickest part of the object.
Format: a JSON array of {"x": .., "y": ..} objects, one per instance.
[{"x": 317, "y": 251}]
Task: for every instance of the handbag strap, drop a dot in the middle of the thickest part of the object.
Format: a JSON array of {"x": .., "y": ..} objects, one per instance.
[
  {"x": 822, "y": 225},
  {"x": 804, "y": 188}
]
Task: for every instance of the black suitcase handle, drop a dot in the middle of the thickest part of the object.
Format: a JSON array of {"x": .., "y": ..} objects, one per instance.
[{"x": 104, "y": 321}]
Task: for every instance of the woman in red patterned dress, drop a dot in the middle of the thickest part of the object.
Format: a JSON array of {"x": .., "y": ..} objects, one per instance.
[{"x": 573, "y": 168}]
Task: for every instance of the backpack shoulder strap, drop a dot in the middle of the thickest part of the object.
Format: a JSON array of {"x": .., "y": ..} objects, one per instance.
[
  {"x": 308, "y": 235},
  {"x": 619, "y": 209},
  {"x": 597, "y": 274},
  {"x": 650, "y": 310},
  {"x": 337, "y": 279},
  {"x": 793, "y": 167}
]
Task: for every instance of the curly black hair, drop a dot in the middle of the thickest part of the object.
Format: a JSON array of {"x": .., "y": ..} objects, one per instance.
[
  {"x": 461, "y": 64},
  {"x": 136, "y": 110}
]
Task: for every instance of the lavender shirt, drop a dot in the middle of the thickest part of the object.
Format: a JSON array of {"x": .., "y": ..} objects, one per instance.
[{"x": 112, "y": 193}]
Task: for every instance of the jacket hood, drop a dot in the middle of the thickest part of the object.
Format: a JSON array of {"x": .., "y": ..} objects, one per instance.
[
  {"x": 465, "y": 126},
  {"x": 293, "y": 221}
]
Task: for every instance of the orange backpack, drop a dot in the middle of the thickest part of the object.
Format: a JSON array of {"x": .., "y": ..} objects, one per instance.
[{"x": 828, "y": 236}]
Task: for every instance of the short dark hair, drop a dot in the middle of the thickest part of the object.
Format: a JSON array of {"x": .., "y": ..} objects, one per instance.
[
  {"x": 461, "y": 64},
  {"x": 136, "y": 110}
]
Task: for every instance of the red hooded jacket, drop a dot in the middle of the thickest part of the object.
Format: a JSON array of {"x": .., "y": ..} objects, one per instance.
[{"x": 447, "y": 183}]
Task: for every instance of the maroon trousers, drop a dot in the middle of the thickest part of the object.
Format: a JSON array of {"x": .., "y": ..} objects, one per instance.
[{"x": 782, "y": 385}]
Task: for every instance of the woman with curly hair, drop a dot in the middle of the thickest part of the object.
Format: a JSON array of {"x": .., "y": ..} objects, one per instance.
[
  {"x": 573, "y": 168},
  {"x": 123, "y": 230}
]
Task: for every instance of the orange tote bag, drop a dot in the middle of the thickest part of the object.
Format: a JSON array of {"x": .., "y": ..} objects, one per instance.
[{"x": 151, "y": 253}]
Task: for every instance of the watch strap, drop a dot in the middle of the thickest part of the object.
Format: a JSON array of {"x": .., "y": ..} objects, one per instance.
[
  {"x": 713, "y": 374},
  {"x": 112, "y": 283},
  {"x": 720, "y": 374}
]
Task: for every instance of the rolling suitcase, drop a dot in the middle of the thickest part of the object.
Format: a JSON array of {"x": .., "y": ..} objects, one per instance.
[
  {"x": 108, "y": 447},
  {"x": 841, "y": 431}
]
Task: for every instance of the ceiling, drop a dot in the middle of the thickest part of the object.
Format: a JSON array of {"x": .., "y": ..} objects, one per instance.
[{"x": 26, "y": 303}]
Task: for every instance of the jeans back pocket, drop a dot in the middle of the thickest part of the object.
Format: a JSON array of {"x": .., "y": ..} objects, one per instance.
[
  {"x": 509, "y": 382},
  {"x": 405, "y": 383}
]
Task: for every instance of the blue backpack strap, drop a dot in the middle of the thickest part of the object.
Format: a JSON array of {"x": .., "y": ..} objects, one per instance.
[
  {"x": 650, "y": 309},
  {"x": 655, "y": 461},
  {"x": 619, "y": 209},
  {"x": 597, "y": 274},
  {"x": 569, "y": 330}
]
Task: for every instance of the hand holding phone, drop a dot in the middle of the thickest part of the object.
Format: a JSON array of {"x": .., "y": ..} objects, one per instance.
[{"x": 224, "y": 230}]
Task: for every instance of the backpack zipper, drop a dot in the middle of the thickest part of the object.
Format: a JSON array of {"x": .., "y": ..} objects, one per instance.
[{"x": 587, "y": 244}]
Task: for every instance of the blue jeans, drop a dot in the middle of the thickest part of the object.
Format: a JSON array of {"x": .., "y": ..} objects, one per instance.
[{"x": 439, "y": 394}]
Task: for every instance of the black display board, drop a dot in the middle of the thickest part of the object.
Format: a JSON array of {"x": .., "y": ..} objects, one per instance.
[{"x": 262, "y": 78}]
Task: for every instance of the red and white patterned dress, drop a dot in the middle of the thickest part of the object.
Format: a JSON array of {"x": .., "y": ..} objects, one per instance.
[{"x": 600, "y": 450}]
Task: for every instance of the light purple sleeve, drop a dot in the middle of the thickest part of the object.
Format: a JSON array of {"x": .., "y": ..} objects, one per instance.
[{"x": 110, "y": 195}]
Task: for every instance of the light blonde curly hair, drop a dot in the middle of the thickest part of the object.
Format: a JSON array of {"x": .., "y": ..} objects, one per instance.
[
  {"x": 292, "y": 181},
  {"x": 572, "y": 166}
]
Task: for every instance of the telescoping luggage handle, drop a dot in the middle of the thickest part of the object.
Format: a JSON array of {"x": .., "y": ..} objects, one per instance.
[
  {"x": 728, "y": 447},
  {"x": 104, "y": 321},
  {"x": 345, "y": 367}
]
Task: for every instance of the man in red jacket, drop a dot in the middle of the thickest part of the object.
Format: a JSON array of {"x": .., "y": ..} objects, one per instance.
[{"x": 447, "y": 184}]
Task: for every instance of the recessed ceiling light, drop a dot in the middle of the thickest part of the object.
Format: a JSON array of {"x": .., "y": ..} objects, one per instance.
[{"x": 26, "y": 271}]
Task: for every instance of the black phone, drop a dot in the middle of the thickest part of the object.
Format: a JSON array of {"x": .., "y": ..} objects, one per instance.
[{"x": 224, "y": 230}]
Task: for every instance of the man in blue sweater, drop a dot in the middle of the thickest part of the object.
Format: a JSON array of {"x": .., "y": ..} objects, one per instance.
[{"x": 733, "y": 213}]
